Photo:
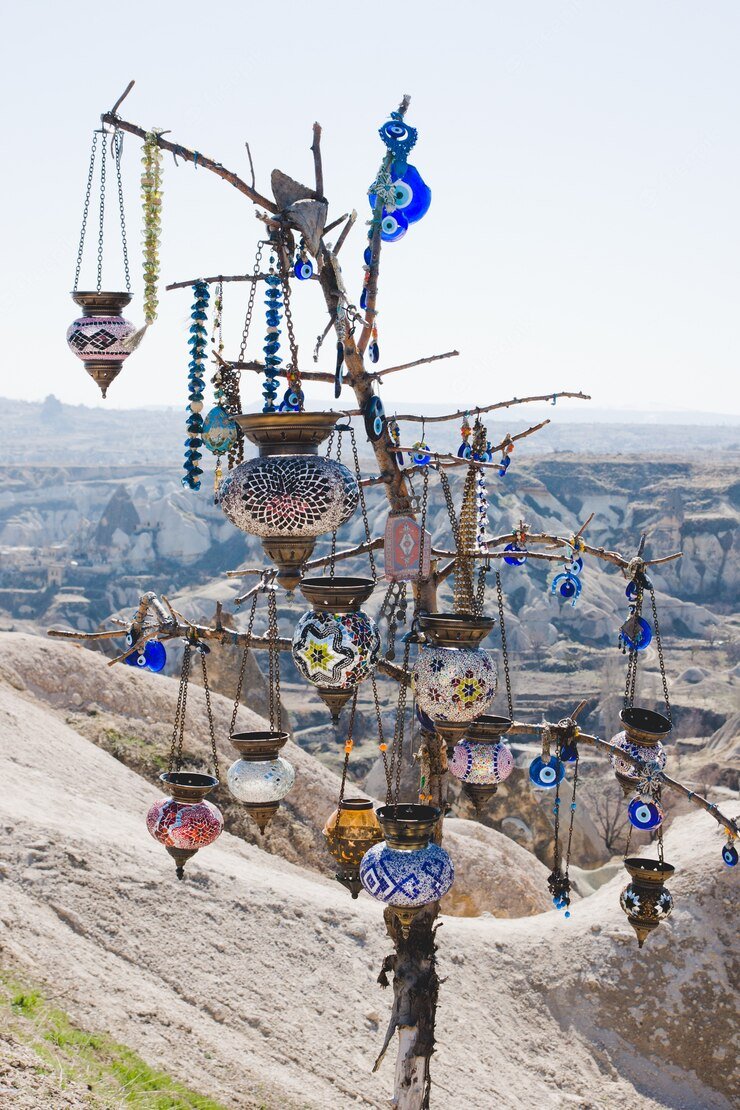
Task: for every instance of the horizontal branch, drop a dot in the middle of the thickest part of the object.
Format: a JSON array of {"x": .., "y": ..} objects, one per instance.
[
  {"x": 195, "y": 157},
  {"x": 306, "y": 375},
  {"x": 324, "y": 561},
  {"x": 409, "y": 365},
  {"x": 475, "y": 410},
  {"x": 448, "y": 460}
]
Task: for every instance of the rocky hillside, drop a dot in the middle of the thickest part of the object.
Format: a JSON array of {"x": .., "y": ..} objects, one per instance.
[{"x": 254, "y": 981}]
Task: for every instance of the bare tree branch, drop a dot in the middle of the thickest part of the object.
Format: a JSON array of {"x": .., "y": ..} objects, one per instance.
[{"x": 475, "y": 410}]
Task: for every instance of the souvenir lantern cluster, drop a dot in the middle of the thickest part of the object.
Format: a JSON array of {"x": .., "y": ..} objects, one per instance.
[{"x": 99, "y": 336}]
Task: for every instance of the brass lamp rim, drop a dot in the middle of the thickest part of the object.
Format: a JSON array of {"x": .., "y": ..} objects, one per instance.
[
  {"x": 355, "y": 804},
  {"x": 644, "y": 726},
  {"x": 258, "y": 747},
  {"x": 455, "y": 629},
  {"x": 409, "y": 825},
  {"x": 487, "y": 729},
  {"x": 188, "y": 786},
  {"x": 337, "y": 595},
  {"x": 643, "y": 869},
  {"x": 101, "y": 303},
  {"x": 287, "y": 433}
]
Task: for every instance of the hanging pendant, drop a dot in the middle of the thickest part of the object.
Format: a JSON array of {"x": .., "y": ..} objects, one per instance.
[
  {"x": 97, "y": 337},
  {"x": 338, "y": 369},
  {"x": 183, "y": 821}
]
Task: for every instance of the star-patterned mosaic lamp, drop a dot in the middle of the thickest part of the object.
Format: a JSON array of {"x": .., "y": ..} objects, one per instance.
[
  {"x": 184, "y": 821},
  {"x": 646, "y": 901},
  {"x": 453, "y": 680},
  {"x": 336, "y": 644},
  {"x": 642, "y": 738},
  {"x": 407, "y": 870},
  {"x": 289, "y": 494},
  {"x": 482, "y": 759},
  {"x": 261, "y": 777}
]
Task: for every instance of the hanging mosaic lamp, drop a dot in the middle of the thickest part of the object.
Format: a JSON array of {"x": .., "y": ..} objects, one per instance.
[
  {"x": 184, "y": 821},
  {"x": 289, "y": 494},
  {"x": 261, "y": 777},
  {"x": 350, "y": 831},
  {"x": 336, "y": 644},
  {"x": 642, "y": 738},
  {"x": 453, "y": 680},
  {"x": 482, "y": 759},
  {"x": 97, "y": 336},
  {"x": 646, "y": 900},
  {"x": 407, "y": 870}
]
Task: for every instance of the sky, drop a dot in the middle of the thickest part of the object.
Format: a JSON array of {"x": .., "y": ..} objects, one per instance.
[{"x": 583, "y": 160}]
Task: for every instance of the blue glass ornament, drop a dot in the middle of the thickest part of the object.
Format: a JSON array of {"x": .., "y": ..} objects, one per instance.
[
  {"x": 303, "y": 269},
  {"x": 393, "y": 226},
  {"x": 642, "y": 640},
  {"x": 645, "y": 815},
  {"x": 292, "y": 400},
  {"x": 546, "y": 775},
  {"x": 420, "y": 454},
  {"x": 569, "y": 753},
  {"x": 374, "y": 418},
  {"x": 219, "y": 430},
  {"x": 729, "y": 854},
  {"x": 196, "y": 385},
  {"x": 504, "y": 465},
  {"x": 155, "y": 655},
  {"x": 567, "y": 586},
  {"x": 575, "y": 565},
  {"x": 374, "y": 351},
  {"x": 464, "y": 451},
  {"x": 514, "y": 560},
  {"x": 424, "y": 720},
  {"x": 412, "y": 196},
  {"x": 399, "y": 137},
  {"x": 631, "y": 590},
  {"x": 363, "y": 298}
]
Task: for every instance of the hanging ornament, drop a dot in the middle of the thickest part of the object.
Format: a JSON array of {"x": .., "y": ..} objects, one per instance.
[
  {"x": 336, "y": 644},
  {"x": 152, "y": 658},
  {"x": 646, "y": 901},
  {"x": 410, "y": 194},
  {"x": 635, "y": 634},
  {"x": 99, "y": 335},
  {"x": 403, "y": 559},
  {"x": 374, "y": 350},
  {"x": 546, "y": 773},
  {"x": 151, "y": 196},
  {"x": 303, "y": 267},
  {"x": 350, "y": 831},
  {"x": 514, "y": 559},
  {"x": 393, "y": 226},
  {"x": 271, "y": 348},
  {"x": 407, "y": 870},
  {"x": 196, "y": 385},
  {"x": 184, "y": 821},
  {"x": 729, "y": 853},
  {"x": 400, "y": 138},
  {"x": 558, "y": 881},
  {"x": 645, "y": 815},
  {"x": 373, "y": 415},
  {"x": 420, "y": 455},
  {"x": 260, "y": 778},
  {"x": 465, "y": 451},
  {"x": 289, "y": 495},
  {"x": 567, "y": 585}
]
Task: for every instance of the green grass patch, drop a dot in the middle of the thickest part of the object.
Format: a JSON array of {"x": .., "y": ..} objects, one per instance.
[{"x": 114, "y": 1075}]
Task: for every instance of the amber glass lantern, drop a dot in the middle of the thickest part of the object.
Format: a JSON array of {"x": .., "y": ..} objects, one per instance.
[{"x": 350, "y": 831}]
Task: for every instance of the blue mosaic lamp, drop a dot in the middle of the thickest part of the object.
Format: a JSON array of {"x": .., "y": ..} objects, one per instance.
[{"x": 407, "y": 870}]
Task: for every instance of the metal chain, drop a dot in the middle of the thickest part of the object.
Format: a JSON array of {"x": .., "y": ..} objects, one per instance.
[
  {"x": 659, "y": 644},
  {"x": 572, "y": 813},
  {"x": 243, "y": 668},
  {"x": 118, "y": 151},
  {"x": 504, "y": 648},
  {"x": 381, "y": 735},
  {"x": 288, "y": 317},
  {"x": 102, "y": 213},
  {"x": 250, "y": 302},
  {"x": 86, "y": 210},
  {"x": 557, "y": 854},
  {"x": 450, "y": 507},
  {"x": 658, "y": 798},
  {"x": 333, "y": 550},
  {"x": 182, "y": 699},
  {"x": 276, "y": 721},
  {"x": 363, "y": 503},
  {"x": 396, "y": 754},
  {"x": 628, "y": 841},
  {"x": 423, "y": 525},
  {"x": 479, "y": 603},
  {"x": 209, "y": 711},
  {"x": 348, "y": 747}
]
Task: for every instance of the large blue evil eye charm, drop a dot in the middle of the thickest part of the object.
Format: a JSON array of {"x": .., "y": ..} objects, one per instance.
[
  {"x": 420, "y": 454},
  {"x": 514, "y": 560},
  {"x": 413, "y": 195},
  {"x": 303, "y": 269},
  {"x": 374, "y": 417},
  {"x": 464, "y": 451},
  {"x": 546, "y": 774},
  {"x": 393, "y": 226},
  {"x": 642, "y": 640},
  {"x": 567, "y": 586},
  {"x": 645, "y": 815},
  {"x": 398, "y": 136},
  {"x": 133, "y": 660},
  {"x": 729, "y": 854},
  {"x": 155, "y": 656}
]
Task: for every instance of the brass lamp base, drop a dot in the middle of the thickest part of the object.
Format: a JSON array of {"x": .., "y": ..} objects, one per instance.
[
  {"x": 334, "y": 699},
  {"x": 479, "y": 794},
  {"x": 181, "y": 857},
  {"x": 451, "y": 732},
  {"x": 262, "y": 814},
  {"x": 289, "y": 555},
  {"x": 406, "y": 918},
  {"x": 351, "y": 880},
  {"x": 103, "y": 371}
]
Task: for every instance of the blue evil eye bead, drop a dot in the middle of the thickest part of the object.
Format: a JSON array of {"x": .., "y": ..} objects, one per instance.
[
  {"x": 567, "y": 586},
  {"x": 574, "y": 566},
  {"x": 303, "y": 269},
  {"x": 464, "y": 451},
  {"x": 569, "y": 753},
  {"x": 374, "y": 418},
  {"x": 363, "y": 299},
  {"x": 631, "y": 590},
  {"x": 155, "y": 656},
  {"x": 645, "y": 815},
  {"x": 398, "y": 136},
  {"x": 642, "y": 640},
  {"x": 504, "y": 465},
  {"x": 413, "y": 195},
  {"x": 393, "y": 226},
  {"x": 374, "y": 351},
  {"x": 547, "y": 774},
  {"x": 367, "y": 255},
  {"x": 292, "y": 400},
  {"x": 514, "y": 560},
  {"x": 420, "y": 454},
  {"x": 729, "y": 855}
]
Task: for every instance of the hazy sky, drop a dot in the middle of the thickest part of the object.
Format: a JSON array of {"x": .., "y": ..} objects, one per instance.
[{"x": 583, "y": 158}]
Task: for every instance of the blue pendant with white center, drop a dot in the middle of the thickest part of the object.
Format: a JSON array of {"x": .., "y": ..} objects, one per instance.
[
  {"x": 729, "y": 855},
  {"x": 546, "y": 774},
  {"x": 645, "y": 815}
]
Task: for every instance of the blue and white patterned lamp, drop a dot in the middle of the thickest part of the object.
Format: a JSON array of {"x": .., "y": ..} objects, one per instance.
[{"x": 407, "y": 870}]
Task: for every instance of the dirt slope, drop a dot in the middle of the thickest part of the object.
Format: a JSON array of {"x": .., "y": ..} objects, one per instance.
[{"x": 254, "y": 981}]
